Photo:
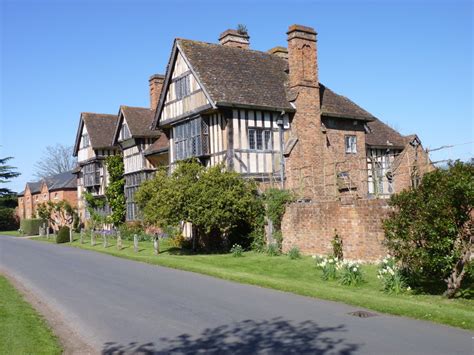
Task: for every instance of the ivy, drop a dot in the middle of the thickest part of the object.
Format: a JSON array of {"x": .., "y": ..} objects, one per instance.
[{"x": 115, "y": 190}]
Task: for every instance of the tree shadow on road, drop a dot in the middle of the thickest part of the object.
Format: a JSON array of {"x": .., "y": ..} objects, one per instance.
[{"x": 276, "y": 336}]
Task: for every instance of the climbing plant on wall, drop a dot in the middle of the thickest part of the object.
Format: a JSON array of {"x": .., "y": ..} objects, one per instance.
[{"x": 115, "y": 190}]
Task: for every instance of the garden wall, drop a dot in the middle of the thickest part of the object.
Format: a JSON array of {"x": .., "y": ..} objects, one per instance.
[{"x": 312, "y": 226}]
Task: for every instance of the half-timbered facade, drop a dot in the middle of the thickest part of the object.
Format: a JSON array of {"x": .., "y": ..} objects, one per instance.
[
  {"x": 94, "y": 143},
  {"x": 135, "y": 138},
  {"x": 267, "y": 116}
]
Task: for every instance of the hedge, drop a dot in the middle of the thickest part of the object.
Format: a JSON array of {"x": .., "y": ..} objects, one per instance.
[
  {"x": 31, "y": 226},
  {"x": 63, "y": 235},
  {"x": 8, "y": 219}
]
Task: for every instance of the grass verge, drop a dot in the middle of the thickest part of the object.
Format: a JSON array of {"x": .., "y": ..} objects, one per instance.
[
  {"x": 22, "y": 329},
  {"x": 298, "y": 276},
  {"x": 12, "y": 233}
]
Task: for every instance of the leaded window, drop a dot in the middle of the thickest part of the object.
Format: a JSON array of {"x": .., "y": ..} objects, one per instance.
[
  {"x": 132, "y": 183},
  {"x": 92, "y": 174},
  {"x": 85, "y": 141},
  {"x": 191, "y": 138},
  {"x": 259, "y": 139},
  {"x": 182, "y": 87}
]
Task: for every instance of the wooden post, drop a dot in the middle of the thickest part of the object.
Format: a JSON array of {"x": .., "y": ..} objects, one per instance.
[
  {"x": 81, "y": 237},
  {"x": 71, "y": 239},
  {"x": 135, "y": 243},
  {"x": 119, "y": 241},
  {"x": 47, "y": 232},
  {"x": 92, "y": 237},
  {"x": 104, "y": 239},
  {"x": 156, "y": 245}
]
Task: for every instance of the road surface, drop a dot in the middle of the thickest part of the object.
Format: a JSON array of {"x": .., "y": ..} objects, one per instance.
[{"x": 122, "y": 306}]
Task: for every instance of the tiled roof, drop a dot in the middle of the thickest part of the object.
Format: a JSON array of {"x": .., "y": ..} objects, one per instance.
[
  {"x": 160, "y": 145},
  {"x": 382, "y": 135},
  {"x": 101, "y": 128},
  {"x": 336, "y": 105},
  {"x": 139, "y": 120},
  {"x": 238, "y": 76},
  {"x": 62, "y": 181}
]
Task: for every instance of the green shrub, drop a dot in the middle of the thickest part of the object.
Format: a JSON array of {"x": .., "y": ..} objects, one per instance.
[
  {"x": 430, "y": 229},
  {"x": 63, "y": 235},
  {"x": 31, "y": 226},
  {"x": 273, "y": 250},
  {"x": 294, "y": 253},
  {"x": 337, "y": 246},
  {"x": 351, "y": 274},
  {"x": 8, "y": 219},
  {"x": 129, "y": 229},
  {"x": 237, "y": 250}
]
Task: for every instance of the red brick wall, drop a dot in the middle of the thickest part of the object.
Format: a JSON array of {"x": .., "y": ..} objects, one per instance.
[{"x": 311, "y": 227}]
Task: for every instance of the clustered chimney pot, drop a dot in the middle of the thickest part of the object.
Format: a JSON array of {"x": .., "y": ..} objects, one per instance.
[
  {"x": 156, "y": 84},
  {"x": 234, "y": 38}
]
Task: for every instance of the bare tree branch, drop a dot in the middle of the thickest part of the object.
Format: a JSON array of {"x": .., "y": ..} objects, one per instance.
[{"x": 56, "y": 159}]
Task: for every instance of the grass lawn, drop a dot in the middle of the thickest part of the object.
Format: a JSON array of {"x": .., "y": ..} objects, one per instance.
[
  {"x": 22, "y": 330},
  {"x": 301, "y": 277},
  {"x": 13, "y": 233}
]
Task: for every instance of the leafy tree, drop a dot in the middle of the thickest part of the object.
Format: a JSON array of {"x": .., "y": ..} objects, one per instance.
[
  {"x": 115, "y": 190},
  {"x": 214, "y": 200},
  {"x": 93, "y": 204},
  {"x": 56, "y": 159},
  {"x": 430, "y": 232},
  {"x": 58, "y": 214}
]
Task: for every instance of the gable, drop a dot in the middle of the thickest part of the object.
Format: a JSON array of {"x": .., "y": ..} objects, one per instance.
[
  {"x": 84, "y": 147},
  {"x": 183, "y": 94}
]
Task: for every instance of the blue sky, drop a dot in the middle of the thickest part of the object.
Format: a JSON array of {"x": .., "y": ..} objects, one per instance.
[{"x": 410, "y": 63}]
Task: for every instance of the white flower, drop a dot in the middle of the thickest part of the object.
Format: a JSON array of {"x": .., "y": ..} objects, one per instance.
[
  {"x": 408, "y": 288},
  {"x": 392, "y": 272},
  {"x": 354, "y": 269},
  {"x": 314, "y": 256}
]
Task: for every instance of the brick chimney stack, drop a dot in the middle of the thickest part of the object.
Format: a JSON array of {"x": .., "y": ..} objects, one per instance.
[
  {"x": 234, "y": 38},
  {"x": 307, "y": 157},
  {"x": 302, "y": 53},
  {"x": 281, "y": 52},
  {"x": 156, "y": 84}
]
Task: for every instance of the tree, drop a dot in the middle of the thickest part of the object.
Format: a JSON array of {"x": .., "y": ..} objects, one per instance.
[
  {"x": 56, "y": 159},
  {"x": 7, "y": 172},
  {"x": 115, "y": 190},
  {"x": 216, "y": 202},
  {"x": 431, "y": 230},
  {"x": 58, "y": 214},
  {"x": 8, "y": 199}
]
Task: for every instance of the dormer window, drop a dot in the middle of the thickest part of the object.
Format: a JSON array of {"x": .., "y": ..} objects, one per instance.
[
  {"x": 124, "y": 132},
  {"x": 182, "y": 87}
]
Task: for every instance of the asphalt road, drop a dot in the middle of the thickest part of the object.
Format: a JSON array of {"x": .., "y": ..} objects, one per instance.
[{"x": 124, "y": 306}]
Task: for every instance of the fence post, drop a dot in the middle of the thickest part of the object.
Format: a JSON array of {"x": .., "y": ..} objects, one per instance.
[
  {"x": 156, "y": 245},
  {"x": 135, "y": 243},
  {"x": 71, "y": 239},
  {"x": 104, "y": 239},
  {"x": 119, "y": 241},
  {"x": 81, "y": 236},
  {"x": 93, "y": 237},
  {"x": 47, "y": 232}
]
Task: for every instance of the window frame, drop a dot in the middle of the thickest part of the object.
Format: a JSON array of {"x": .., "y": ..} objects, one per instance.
[
  {"x": 259, "y": 139},
  {"x": 182, "y": 86},
  {"x": 350, "y": 144}
]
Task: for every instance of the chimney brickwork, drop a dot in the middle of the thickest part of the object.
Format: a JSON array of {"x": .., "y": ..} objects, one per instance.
[
  {"x": 304, "y": 165},
  {"x": 233, "y": 38},
  {"x": 156, "y": 85}
]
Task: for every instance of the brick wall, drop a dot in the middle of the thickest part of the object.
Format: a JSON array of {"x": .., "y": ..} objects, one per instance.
[{"x": 311, "y": 227}]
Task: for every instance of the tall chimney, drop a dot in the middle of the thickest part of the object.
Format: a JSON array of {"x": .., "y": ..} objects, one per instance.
[
  {"x": 302, "y": 53},
  {"x": 156, "y": 84},
  {"x": 306, "y": 159},
  {"x": 234, "y": 38}
]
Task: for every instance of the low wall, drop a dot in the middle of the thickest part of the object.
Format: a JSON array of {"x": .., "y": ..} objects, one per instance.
[{"x": 311, "y": 227}]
